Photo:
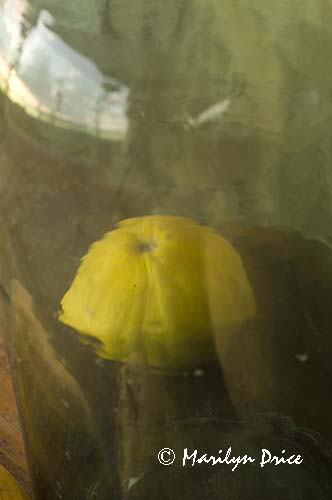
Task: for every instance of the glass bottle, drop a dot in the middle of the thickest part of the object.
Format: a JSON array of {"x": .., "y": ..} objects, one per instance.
[{"x": 218, "y": 114}]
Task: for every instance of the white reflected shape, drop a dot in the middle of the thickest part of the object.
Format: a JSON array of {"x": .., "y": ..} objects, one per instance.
[
  {"x": 212, "y": 113},
  {"x": 56, "y": 84},
  {"x": 11, "y": 12}
]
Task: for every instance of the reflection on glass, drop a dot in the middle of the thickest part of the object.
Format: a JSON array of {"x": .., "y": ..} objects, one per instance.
[
  {"x": 172, "y": 332},
  {"x": 72, "y": 92}
]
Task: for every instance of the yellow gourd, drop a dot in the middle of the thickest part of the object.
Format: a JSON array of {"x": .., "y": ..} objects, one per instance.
[
  {"x": 161, "y": 290},
  {"x": 9, "y": 489}
]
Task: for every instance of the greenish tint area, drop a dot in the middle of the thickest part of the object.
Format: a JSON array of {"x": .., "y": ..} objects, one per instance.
[
  {"x": 268, "y": 158},
  {"x": 84, "y": 15},
  {"x": 227, "y": 108}
]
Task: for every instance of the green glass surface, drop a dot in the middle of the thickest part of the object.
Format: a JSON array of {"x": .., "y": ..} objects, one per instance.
[{"x": 219, "y": 111}]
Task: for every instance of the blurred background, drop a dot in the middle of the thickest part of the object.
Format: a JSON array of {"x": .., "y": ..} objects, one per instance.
[{"x": 220, "y": 111}]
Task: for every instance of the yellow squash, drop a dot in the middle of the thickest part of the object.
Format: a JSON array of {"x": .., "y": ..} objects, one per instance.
[
  {"x": 161, "y": 290},
  {"x": 9, "y": 489}
]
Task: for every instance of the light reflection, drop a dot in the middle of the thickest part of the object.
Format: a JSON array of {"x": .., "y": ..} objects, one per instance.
[
  {"x": 10, "y": 37},
  {"x": 52, "y": 82}
]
